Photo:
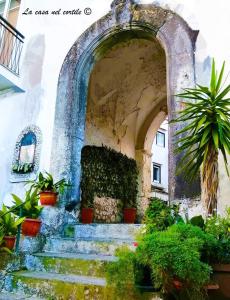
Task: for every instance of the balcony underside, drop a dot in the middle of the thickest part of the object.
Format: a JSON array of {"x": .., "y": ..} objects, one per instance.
[{"x": 9, "y": 82}]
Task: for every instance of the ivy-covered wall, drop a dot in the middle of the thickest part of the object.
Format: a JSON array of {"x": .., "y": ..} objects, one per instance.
[{"x": 107, "y": 173}]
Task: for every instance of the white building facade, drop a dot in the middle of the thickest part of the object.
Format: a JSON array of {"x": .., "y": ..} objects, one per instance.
[
  {"x": 28, "y": 98},
  {"x": 159, "y": 167}
]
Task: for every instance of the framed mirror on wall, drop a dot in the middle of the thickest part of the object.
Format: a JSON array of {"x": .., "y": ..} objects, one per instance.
[{"x": 26, "y": 155}]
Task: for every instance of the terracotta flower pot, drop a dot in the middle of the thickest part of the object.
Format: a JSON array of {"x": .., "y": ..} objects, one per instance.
[
  {"x": 48, "y": 198},
  {"x": 9, "y": 241},
  {"x": 221, "y": 276},
  {"x": 130, "y": 215},
  {"x": 31, "y": 227},
  {"x": 177, "y": 284},
  {"x": 87, "y": 215}
]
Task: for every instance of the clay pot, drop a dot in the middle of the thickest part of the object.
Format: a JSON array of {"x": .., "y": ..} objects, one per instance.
[
  {"x": 31, "y": 227},
  {"x": 177, "y": 284},
  {"x": 48, "y": 198},
  {"x": 221, "y": 276},
  {"x": 9, "y": 241},
  {"x": 130, "y": 215},
  {"x": 87, "y": 215}
]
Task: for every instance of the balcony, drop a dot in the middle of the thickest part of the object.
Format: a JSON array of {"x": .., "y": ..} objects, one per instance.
[{"x": 11, "y": 44}]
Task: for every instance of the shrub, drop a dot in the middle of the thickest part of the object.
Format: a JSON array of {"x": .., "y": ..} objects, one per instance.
[
  {"x": 176, "y": 254},
  {"x": 197, "y": 221},
  {"x": 159, "y": 215},
  {"x": 219, "y": 228},
  {"x": 107, "y": 173},
  {"x": 121, "y": 275}
]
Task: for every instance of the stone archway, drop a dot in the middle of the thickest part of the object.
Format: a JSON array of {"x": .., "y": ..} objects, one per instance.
[{"x": 125, "y": 20}]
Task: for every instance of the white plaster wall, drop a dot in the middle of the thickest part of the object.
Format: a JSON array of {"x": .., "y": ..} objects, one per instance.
[
  {"x": 60, "y": 32},
  {"x": 160, "y": 156}
]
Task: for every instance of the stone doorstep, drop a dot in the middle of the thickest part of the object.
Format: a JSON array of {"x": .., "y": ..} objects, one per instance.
[
  {"x": 17, "y": 296},
  {"x": 106, "y": 231},
  {"x": 69, "y": 263},
  {"x": 77, "y": 287},
  {"x": 86, "y": 246}
]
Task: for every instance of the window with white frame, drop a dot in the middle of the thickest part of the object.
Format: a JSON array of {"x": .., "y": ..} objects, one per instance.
[
  {"x": 156, "y": 173},
  {"x": 160, "y": 139}
]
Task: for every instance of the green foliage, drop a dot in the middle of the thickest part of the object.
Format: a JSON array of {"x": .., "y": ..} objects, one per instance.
[
  {"x": 107, "y": 173},
  {"x": 176, "y": 254},
  {"x": 219, "y": 228},
  {"x": 209, "y": 124},
  {"x": 2, "y": 242},
  {"x": 23, "y": 168},
  {"x": 159, "y": 215},
  {"x": 45, "y": 182},
  {"x": 197, "y": 221},
  {"x": 9, "y": 221},
  {"x": 27, "y": 207},
  {"x": 121, "y": 275}
]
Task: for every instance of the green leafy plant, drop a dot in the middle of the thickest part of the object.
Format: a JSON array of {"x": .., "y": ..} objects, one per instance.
[
  {"x": 159, "y": 215},
  {"x": 207, "y": 132},
  {"x": 9, "y": 221},
  {"x": 27, "y": 207},
  {"x": 2, "y": 242},
  {"x": 197, "y": 221},
  {"x": 121, "y": 275},
  {"x": 45, "y": 182},
  {"x": 175, "y": 254},
  {"x": 107, "y": 173},
  {"x": 219, "y": 228},
  {"x": 22, "y": 168}
]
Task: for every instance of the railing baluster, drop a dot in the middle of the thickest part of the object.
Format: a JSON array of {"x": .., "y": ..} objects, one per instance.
[{"x": 11, "y": 43}]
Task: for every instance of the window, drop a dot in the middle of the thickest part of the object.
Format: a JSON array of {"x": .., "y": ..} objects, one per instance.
[
  {"x": 156, "y": 173},
  {"x": 160, "y": 139},
  {"x": 26, "y": 155}
]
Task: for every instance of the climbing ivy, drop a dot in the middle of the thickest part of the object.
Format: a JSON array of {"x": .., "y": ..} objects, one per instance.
[{"x": 107, "y": 173}]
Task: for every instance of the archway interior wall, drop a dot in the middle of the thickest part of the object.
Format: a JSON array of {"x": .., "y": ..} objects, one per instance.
[{"x": 125, "y": 88}]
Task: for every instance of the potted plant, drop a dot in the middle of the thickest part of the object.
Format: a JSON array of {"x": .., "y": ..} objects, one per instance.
[
  {"x": 130, "y": 211},
  {"x": 219, "y": 258},
  {"x": 48, "y": 189},
  {"x": 130, "y": 215},
  {"x": 205, "y": 133},
  {"x": 87, "y": 211},
  {"x": 22, "y": 168},
  {"x": 3, "y": 248},
  {"x": 174, "y": 257},
  {"x": 9, "y": 223},
  {"x": 29, "y": 209}
]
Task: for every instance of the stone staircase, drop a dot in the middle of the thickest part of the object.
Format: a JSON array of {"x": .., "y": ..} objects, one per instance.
[{"x": 73, "y": 266}]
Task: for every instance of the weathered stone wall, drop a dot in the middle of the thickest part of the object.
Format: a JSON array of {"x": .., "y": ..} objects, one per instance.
[
  {"x": 107, "y": 210},
  {"x": 125, "y": 86}
]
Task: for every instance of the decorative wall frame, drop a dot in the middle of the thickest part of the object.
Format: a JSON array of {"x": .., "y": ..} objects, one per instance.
[{"x": 31, "y": 130}]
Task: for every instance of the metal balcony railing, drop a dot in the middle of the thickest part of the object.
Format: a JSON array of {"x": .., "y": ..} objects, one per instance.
[{"x": 11, "y": 44}]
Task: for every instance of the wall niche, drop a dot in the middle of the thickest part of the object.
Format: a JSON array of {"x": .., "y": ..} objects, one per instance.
[{"x": 26, "y": 155}]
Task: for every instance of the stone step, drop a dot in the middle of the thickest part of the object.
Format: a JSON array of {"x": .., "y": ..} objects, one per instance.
[
  {"x": 58, "y": 286},
  {"x": 86, "y": 246},
  {"x": 106, "y": 231},
  {"x": 69, "y": 263},
  {"x": 17, "y": 296},
  {"x": 66, "y": 287}
]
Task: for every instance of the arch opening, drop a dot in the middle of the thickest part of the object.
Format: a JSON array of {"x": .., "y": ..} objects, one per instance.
[{"x": 87, "y": 57}]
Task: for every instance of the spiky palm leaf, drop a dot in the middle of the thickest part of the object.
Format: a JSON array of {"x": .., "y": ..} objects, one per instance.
[{"x": 207, "y": 131}]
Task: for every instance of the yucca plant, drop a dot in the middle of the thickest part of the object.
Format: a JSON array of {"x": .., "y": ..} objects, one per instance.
[{"x": 207, "y": 132}]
